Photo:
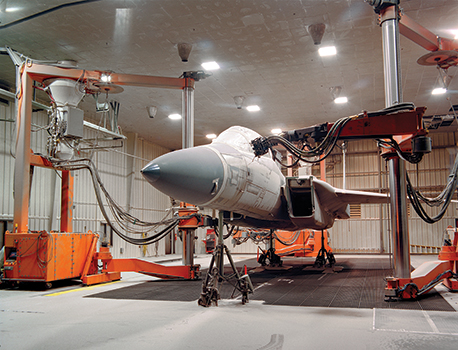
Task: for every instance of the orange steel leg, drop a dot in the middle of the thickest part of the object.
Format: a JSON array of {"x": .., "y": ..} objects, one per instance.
[
  {"x": 428, "y": 275},
  {"x": 66, "y": 208}
]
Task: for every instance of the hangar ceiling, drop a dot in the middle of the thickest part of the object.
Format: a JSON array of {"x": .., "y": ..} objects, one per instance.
[{"x": 262, "y": 46}]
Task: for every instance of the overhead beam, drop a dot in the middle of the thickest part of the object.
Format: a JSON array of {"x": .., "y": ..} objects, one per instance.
[{"x": 417, "y": 33}]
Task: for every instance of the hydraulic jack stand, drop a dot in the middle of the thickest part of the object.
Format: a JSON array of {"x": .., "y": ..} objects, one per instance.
[
  {"x": 215, "y": 275},
  {"x": 269, "y": 254},
  {"x": 324, "y": 254}
]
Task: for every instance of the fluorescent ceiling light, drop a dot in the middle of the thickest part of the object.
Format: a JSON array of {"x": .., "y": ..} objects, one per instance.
[
  {"x": 276, "y": 131},
  {"x": 455, "y": 32},
  {"x": 12, "y": 9},
  {"x": 175, "y": 116},
  {"x": 211, "y": 136},
  {"x": 253, "y": 108},
  {"x": 210, "y": 65},
  {"x": 327, "y": 51},
  {"x": 341, "y": 100},
  {"x": 439, "y": 91},
  {"x": 105, "y": 78}
]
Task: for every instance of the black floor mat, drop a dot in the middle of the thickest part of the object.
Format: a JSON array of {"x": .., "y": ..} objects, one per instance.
[{"x": 360, "y": 284}]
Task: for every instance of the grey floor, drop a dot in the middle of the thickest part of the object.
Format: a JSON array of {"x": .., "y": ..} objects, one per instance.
[{"x": 64, "y": 318}]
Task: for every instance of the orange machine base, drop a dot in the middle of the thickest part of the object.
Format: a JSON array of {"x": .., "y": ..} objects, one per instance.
[
  {"x": 46, "y": 256},
  {"x": 428, "y": 275},
  {"x": 51, "y": 256}
]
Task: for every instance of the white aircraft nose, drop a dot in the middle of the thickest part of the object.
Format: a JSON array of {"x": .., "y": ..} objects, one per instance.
[{"x": 193, "y": 175}]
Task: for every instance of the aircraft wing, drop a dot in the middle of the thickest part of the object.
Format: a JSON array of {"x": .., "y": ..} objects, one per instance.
[{"x": 335, "y": 200}]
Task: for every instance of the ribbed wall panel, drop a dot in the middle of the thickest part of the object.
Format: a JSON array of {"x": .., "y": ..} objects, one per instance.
[
  {"x": 7, "y": 137},
  {"x": 363, "y": 174}
]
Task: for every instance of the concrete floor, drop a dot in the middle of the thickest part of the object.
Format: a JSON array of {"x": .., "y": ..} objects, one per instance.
[{"x": 62, "y": 318}]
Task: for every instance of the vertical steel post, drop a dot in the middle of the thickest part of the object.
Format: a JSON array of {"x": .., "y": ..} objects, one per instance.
[
  {"x": 397, "y": 176},
  {"x": 188, "y": 114},
  {"x": 391, "y": 56},
  {"x": 399, "y": 222},
  {"x": 188, "y": 247},
  {"x": 188, "y": 142},
  {"x": 220, "y": 257},
  {"x": 344, "y": 164},
  {"x": 22, "y": 162}
]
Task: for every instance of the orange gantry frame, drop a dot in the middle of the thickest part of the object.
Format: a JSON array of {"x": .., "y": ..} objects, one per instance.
[{"x": 49, "y": 256}]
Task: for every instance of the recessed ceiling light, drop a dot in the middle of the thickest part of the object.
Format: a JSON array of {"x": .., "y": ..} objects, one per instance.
[
  {"x": 439, "y": 91},
  {"x": 105, "y": 78},
  {"x": 211, "y": 136},
  {"x": 12, "y": 9},
  {"x": 210, "y": 65},
  {"x": 342, "y": 99},
  {"x": 253, "y": 108},
  {"x": 276, "y": 131},
  {"x": 327, "y": 51},
  {"x": 175, "y": 116}
]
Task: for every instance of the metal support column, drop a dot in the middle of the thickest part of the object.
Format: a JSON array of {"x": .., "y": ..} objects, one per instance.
[
  {"x": 22, "y": 161},
  {"x": 399, "y": 222},
  {"x": 397, "y": 176},
  {"x": 188, "y": 142},
  {"x": 220, "y": 257},
  {"x": 188, "y": 114},
  {"x": 188, "y": 247}
]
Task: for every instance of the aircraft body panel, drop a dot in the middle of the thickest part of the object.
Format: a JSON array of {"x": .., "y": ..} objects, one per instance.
[{"x": 226, "y": 176}]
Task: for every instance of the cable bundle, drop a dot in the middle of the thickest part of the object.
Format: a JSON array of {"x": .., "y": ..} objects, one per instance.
[
  {"x": 261, "y": 145},
  {"x": 124, "y": 219},
  {"x": 444, "y": 198}
]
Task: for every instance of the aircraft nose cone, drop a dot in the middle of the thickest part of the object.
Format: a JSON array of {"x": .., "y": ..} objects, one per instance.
[
  {"x": 193, "y": 175},
  {"x": 151, "y": 172}
]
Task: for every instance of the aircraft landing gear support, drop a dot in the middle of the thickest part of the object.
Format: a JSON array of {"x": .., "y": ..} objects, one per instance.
[
  {"x": 215, "y": 275},
  {"x": 269, "y": 254},
  {"x": 324, "y": 255}
]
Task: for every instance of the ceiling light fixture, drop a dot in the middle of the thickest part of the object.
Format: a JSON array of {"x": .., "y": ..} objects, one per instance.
[
  {"x": 239, "y": 101},
  {"x": 327, "y": 51},
  {"x": 335, "y": 92},
  {"x": 276, "y": 131},
  {"x": 211, "y": 136},
  {"x": 175, "y": 116},
  {"x": 253, "y": 108},
  {"x": 438, "y": 91},
  {"x": 152, "y": 110},
  {"x": 316, "y": 31},
  {"x": 342, "y": 99},
  {"x": 184, "y": 49},
  {"x": 105, "y": 77},
  {"x": 210, "y": 65}
]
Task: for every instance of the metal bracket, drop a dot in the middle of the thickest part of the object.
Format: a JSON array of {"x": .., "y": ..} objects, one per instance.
[{"x": 379, "y": 5}]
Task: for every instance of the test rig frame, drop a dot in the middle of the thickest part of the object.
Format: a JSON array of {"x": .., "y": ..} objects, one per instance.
[{"x": 42, "y": 256}]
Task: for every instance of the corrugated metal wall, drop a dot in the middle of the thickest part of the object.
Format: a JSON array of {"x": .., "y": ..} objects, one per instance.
[
  {"x": 367, "y": 171},
  {"x": 120, "y": 172},
  {"x": 6, "y": 160}
]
